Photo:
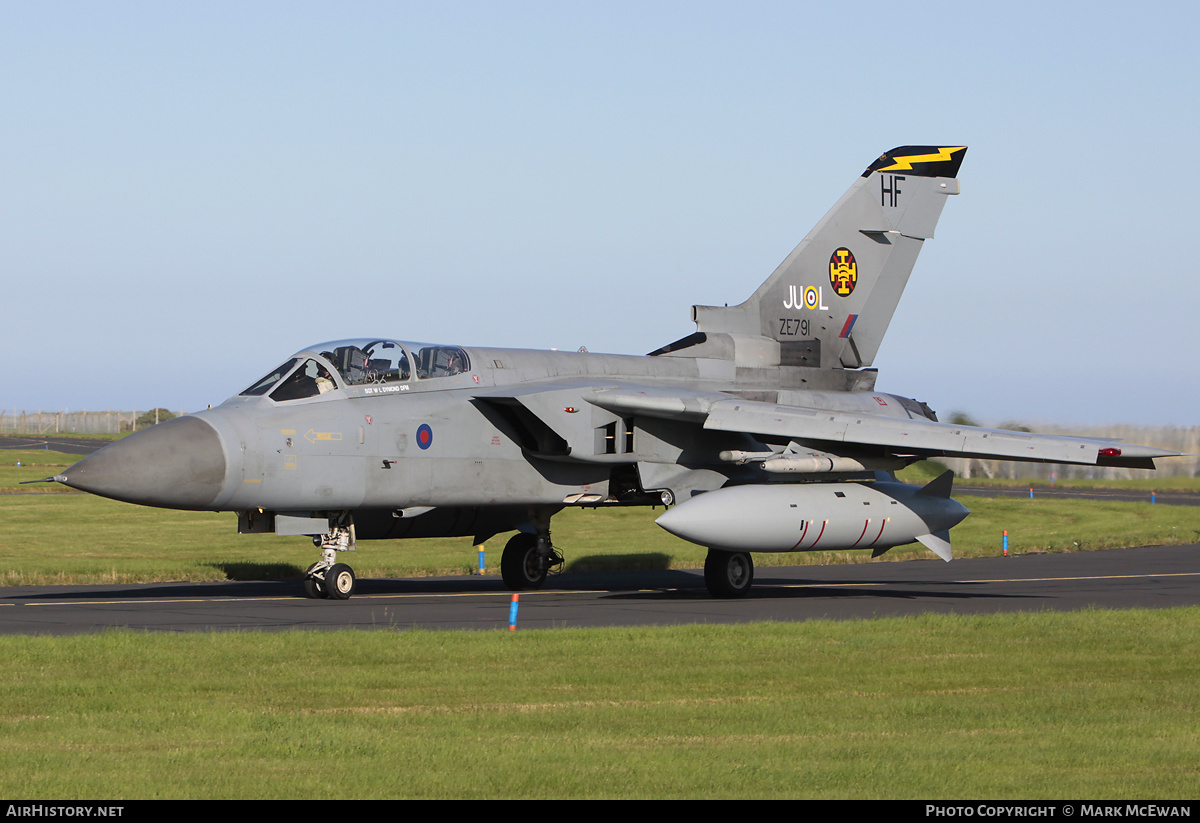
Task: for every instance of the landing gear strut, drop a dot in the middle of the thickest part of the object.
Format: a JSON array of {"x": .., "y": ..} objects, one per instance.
[
  {"x": 728, "y": 574},
  {"x": 527, "y": 559},
  {"x": 327, "y": 578}
]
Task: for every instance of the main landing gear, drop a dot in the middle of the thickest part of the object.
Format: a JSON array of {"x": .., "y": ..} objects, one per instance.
[
  {"x": 527, "y": 559},
  {"x": 327, "y": 578},
  {"x": 728, "y": 574}
]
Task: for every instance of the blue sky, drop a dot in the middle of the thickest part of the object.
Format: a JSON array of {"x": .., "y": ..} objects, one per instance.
[{"x": 192, "y": 191}]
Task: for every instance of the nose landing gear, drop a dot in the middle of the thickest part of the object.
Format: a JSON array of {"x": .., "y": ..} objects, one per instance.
[{"x": 327, "y": 578}]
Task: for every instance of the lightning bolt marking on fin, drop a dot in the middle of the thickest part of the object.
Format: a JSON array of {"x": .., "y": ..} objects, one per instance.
[{"x": 905, "y": 163}]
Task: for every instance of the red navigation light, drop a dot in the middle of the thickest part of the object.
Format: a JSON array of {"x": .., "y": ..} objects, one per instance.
[{"x": 1110, "y": 452}]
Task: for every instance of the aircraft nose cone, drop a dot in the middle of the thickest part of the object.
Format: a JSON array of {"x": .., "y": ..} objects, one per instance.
[{"x": 178, "y": 464}]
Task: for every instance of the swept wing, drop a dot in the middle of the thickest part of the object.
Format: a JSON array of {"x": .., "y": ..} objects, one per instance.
[{"x": 897, "y": 436}]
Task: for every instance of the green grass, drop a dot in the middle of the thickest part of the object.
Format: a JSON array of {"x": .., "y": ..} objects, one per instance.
[
  {"x": 56, "y": 538},
  {"x": 1093, "y": 704},
  {"x": 35, "y": 465}
]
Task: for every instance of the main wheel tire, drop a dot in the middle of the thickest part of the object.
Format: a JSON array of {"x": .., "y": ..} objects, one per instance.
[
  {"x": 519, "y": 565},
  {"x": 728, "y": 574},
  {"x": 314, "y": 587},
  {"x": 339, "y": 582}
]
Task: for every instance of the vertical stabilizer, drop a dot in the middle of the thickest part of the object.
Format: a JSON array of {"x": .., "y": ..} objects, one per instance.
[{"x": 830, "y": 302}]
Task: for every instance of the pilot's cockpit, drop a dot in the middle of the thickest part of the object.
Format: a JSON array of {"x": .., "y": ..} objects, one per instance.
[
  {"x": 359, "y": 366},
  {"x": 376, "y": 362}
]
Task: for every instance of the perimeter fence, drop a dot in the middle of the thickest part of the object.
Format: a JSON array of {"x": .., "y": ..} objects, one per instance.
[
  {"x": 1185, "y": 439},
  {"x": 16, "y": 421}
]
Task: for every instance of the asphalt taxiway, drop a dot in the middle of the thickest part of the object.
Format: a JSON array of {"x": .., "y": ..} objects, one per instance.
[{"x": 1148, "y": 577}]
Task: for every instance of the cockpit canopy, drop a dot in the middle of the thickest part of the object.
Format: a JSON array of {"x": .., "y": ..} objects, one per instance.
[{"x": 385, "y": 365}]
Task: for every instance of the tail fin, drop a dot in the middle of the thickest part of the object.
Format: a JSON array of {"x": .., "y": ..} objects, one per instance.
[{"x": 830, "y": 302}]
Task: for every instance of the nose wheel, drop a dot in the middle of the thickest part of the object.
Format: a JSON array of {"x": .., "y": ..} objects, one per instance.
[
  {"x": 327, "y": 579},
  {"x": 314, "y": 586},
  {"x": 332, "y": 582},
  {"x": 339, "y": 582}
]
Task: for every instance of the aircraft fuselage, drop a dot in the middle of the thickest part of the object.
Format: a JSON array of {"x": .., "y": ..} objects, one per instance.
[{"x": 516, "y": 425}]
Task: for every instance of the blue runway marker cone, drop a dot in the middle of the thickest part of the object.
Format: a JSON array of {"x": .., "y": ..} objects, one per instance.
[
  {"x": 1005, "y": 548},
  {"x": 1151, "y": 498},
  {"x": 481, "y": 558},
  {"x": 1031, "y": 492},
  {"x": 512, "y": 612}
]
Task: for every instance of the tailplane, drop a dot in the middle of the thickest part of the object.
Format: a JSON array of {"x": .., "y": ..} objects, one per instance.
[{"x": 829, "y": 303}]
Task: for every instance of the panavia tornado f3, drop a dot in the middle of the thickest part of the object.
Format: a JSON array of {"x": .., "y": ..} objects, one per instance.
[{"x": 762, "y": 431}]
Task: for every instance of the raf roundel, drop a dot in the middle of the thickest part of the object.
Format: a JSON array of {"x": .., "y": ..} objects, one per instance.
[
  {"x": 424, "y": 436},
  {"x": 843, "y": 272},
  {"x": 812, "y": 297}
]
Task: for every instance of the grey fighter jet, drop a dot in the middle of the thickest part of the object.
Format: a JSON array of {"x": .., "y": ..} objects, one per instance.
[{"x": 762, "y": 431}]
